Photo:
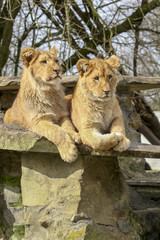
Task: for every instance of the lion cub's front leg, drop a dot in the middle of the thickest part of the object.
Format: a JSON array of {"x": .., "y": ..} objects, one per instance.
[
  {"x": 69, "y": 128},
  {"x": 59, "y": 137},
  {"x": 98, "y": 141},
  {"x": 118, "y": 127}
]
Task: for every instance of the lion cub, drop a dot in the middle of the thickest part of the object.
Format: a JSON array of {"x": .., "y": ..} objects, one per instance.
[
  {"x": 95, "y": 110},
  {"x": 40, "y": 106}
]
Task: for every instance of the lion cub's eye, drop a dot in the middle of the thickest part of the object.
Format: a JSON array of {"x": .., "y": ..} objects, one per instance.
[
  {"x": 43, "y": 61},
  {"x": 109, "y": 77},
  {"x": 96, "y": 78},
  {"x": 56, "y": 61}
]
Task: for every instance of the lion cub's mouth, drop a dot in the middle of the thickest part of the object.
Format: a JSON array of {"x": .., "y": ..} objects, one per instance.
[
  {"x": 101, "y": 98},
  {"x": 53, "y": 78},
  {"x": 106, "y": 97}
]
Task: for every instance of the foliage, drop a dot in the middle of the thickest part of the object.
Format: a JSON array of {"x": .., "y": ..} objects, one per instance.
[
  {"x": 82, "y": 29},
  {"x": 10, "y": 181}
]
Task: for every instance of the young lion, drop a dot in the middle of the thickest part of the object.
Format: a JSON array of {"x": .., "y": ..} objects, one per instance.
[
  {"x": 95, "y": 110},
  {"x": 40, "y": 106}
]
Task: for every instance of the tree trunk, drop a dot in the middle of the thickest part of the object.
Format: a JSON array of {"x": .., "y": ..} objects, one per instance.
[
  {"x": 150, "y": 127},
  {"x": 6, "y": 29}
]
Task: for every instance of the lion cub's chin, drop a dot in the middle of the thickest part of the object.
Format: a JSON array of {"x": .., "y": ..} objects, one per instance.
[
  {"x": 101, "y": 98},
  {"x": 56, "y": 78},
  {"x": 52, "y": 79}
]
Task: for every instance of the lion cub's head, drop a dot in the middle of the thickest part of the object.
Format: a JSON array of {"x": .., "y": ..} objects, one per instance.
[
  {"x": 43, "y": 65},
  {"x": 98, "y": 76}
]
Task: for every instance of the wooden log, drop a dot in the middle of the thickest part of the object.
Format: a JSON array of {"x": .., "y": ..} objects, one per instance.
[
  {"x": 125, "y": 82},
  {"x": 135, "y": 150},
  {"x": 9, "y": 83},
  {"x": 143, "y": 182},
  {"x": 138, "y": 83}
]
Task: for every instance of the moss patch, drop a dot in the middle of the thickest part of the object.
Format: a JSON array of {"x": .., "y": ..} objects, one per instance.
[
  {"x": 99, "y": 232},
  {"x": 18, "y": 203},
  {"x": 76, "y": 235},
  {"x": 10, "y": 181},
  {"x": 19, "y": 231}
]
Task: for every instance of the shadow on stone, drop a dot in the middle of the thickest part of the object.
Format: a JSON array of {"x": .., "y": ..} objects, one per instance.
[{"x": 6, "y": 219}]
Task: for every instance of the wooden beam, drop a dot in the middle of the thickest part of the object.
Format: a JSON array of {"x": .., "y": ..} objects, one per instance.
[
  {"x": 9, "y": 83},
  {"x": 124, "y": 82},
  {"x": 135, "y": 150},
  {"x": 144, "y": 182},
  {"x": 138, "y": 83}
]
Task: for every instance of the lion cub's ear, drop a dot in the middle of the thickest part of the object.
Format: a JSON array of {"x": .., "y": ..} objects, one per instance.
[
  {"x": 53, "y": 50},
  {"x": 82, "y": 66},
  {"x": 113, "y": 61},
  {"x": 27, "y": 55}
]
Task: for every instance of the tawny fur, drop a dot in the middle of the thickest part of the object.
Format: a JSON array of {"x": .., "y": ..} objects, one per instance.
[
  {"x": 40, "y": 106},
  {"x": 95, "y": 110}
]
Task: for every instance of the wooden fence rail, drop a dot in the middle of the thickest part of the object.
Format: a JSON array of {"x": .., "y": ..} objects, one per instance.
[{"x": 125, "y": 82}]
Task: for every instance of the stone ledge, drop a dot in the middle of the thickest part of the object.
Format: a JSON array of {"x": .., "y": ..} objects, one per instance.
[{"x": 15, "y": 138}]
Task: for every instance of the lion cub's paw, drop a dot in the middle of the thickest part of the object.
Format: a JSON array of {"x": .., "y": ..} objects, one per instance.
[
  {"x": 76, "y": 137},
  {"x": 122, "y": 145},
  {"x": 68, "y": 150},
  {"x": 108, "y": 141},
  {"x": 115, "y": 137}
]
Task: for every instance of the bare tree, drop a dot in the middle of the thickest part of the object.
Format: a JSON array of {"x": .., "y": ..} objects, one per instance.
[
  {"x": 89, "y": 29},
  {"x": 8, "y": 13}
]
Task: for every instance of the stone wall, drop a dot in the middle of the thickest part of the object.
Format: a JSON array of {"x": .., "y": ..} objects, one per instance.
[
  {"x": 66, "y": 199},
  {"x": 11, "y": 208},
  {"x": 44, "y": 198},
  {"x": 84, "y": 200}
]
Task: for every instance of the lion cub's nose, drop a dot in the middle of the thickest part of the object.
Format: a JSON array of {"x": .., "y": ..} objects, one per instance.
[
  {"x": 56, "y": 71},
  {"x": 106, "y": 92}
]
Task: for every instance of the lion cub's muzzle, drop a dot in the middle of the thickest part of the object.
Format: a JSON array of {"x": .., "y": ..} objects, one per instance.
[
  {"x": 57, "y": 74},
  {"x": 106, "y": 94},
  {"x": 57, "y": 71}
]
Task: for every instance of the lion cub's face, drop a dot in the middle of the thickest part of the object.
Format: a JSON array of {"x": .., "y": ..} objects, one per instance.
[
  {"x": 43, "y": 65},
  {"x": 99, "y": 76}
]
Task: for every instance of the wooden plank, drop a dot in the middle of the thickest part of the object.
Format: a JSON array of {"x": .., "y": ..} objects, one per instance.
[
  {"x": 144, "y": 183},
  {"x": 138, "y": 83},
  {"x": 125, "y": 82},
  {"x": 147, "y": 211},
  {"x": 135, "y": 150},
  {"x": 70, "y": 81},
  {"x": 139, "y": 79},
  {"x": 9, "y": 83}
]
